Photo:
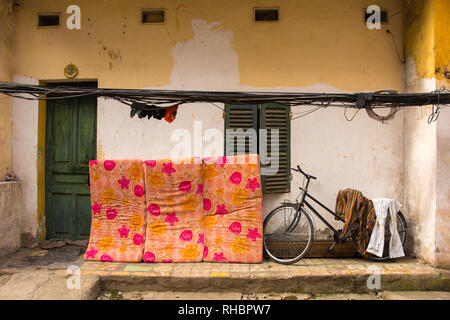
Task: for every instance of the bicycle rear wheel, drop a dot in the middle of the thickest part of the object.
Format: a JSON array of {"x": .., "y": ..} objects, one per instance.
[
  {"x": 401, "y": 228},
  {"x": 287, "y": 235}
]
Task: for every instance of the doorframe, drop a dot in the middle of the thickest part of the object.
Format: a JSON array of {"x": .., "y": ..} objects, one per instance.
[{"x": 41, "y": 151}]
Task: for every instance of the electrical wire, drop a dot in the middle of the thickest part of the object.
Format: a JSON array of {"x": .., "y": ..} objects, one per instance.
[
  {"x": 306, "y": 113},
  {"x": 216, "y": 106},
  {"x": 354, "y": 115},
  {"x": 170, "y": 98},
  {"x": 434, "y": 115},
  {"x": 393, "y": 37},
  {"x": 405, "y": 7},
  {"x": 395, "y": 46}
]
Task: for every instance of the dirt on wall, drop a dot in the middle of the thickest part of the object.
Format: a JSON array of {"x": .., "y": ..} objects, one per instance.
[{"x": 6, "y": 27}]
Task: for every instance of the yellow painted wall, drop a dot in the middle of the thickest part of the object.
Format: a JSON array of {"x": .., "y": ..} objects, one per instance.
[
  {"x": 442, "y": 39},
  {"x": 321, "y": 41},
  {"x": 427, "y": 37},
  {"x": 419, "y": 37}
]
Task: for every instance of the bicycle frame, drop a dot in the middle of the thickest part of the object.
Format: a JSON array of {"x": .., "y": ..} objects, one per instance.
[
  {"x": 318, "y": 214},
  {"x": 304, "y": 202}
]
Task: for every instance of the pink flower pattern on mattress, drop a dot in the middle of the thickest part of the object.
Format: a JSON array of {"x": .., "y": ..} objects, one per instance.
[
  {"x": 232, "y": 186},
  {"x": 175, "y": 208},
  {"x": 118, "y": 211}
]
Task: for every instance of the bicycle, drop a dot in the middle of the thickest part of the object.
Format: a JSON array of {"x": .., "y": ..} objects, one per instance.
[{"x": 289, "y": 229}]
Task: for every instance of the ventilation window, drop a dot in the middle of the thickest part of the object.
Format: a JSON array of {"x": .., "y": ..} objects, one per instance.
[
  {"x": 383, "y": 16},
  {"x": 266, "y": 14},
  {"x": 153, "y": 16},
  {"x": 48, "y": 20}
]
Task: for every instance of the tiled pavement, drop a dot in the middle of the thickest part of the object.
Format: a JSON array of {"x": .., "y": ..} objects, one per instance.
[{"x": 312, "y": 276}]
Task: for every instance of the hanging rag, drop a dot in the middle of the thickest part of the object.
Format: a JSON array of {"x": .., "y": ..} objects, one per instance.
[
  {"x": 364, "y": 100},
  {"x": 354, "y": 208},
  {"x": 171, "y": 114},
  {"x": 383, "y": 119},
  {"x": 142, "y": 110},
  {"x": 376, "y": 244}
]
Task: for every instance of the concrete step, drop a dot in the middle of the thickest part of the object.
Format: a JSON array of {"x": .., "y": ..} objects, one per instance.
[
  {"x": 318, "y": 284},
  {"x": 45, "y": 285},
  {"x": 312, "y": 276}
]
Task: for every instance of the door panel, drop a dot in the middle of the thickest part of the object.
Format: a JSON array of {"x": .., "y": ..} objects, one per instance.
[
  {"x": 59, "y": 178},
  {"x": 70, "y": 144},
  {"x": 61, "y": 204},
  {"x": 84, "y": 214},
  {"x": 86, "y": 144},
  {"x": 62, "y": 128}
]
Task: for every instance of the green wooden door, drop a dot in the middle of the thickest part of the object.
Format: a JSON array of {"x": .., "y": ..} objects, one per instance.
[{"x": 70, "y": 144}]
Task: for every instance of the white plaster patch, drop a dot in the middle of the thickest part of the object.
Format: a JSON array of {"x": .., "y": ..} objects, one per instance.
[{"x": 208, "y": 61}]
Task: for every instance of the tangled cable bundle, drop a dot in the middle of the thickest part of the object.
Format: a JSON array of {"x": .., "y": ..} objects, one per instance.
[{"x": 146, "y": 99}]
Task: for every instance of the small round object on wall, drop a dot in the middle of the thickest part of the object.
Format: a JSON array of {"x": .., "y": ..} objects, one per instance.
[{"x": 70, "y": 71}]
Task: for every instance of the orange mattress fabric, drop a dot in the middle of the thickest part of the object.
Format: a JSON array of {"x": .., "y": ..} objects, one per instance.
[
  {"x": 176, "y": 210},
  {"x": 232, "y": 199},
  {"x": 118, "y": 211},
  {"x": 174, "y": 195}
]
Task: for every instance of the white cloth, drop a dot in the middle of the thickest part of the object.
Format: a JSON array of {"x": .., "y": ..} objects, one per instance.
[{"x": 376, "y": 243}]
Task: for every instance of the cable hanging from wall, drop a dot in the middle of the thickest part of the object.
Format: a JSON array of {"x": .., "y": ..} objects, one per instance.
[{"x": 434, "y": 115}]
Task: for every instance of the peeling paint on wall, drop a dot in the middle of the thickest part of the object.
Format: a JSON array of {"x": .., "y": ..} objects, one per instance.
[
  {"x": 419, "y": 37},
  {"x": 206, "y": 61}
]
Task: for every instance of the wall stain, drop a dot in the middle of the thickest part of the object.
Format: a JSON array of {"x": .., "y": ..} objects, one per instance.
[{"x": 114, "y": 56}]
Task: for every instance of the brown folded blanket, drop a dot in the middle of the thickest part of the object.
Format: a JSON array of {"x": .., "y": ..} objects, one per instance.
[{"x": 354, "y": 208}]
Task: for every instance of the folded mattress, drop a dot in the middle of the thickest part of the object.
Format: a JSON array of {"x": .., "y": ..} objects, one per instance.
[
  {"x": 232, "y": 200},
  {"x": 118, "y": 211},
  {"x": 174, "y": 203}
]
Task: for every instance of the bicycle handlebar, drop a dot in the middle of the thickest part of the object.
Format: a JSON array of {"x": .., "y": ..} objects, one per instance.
[{"x": 302, "y": 172}]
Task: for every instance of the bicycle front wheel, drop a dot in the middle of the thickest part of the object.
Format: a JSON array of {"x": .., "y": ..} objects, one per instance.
[{"x": 288, "y": 235}]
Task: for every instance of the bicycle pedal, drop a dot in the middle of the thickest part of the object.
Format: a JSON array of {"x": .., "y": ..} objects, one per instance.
[{"x": 332, "y": 246}]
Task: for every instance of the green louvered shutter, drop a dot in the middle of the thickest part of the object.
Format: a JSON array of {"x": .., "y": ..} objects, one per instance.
[
  {"x": 276, "y": 116},
  {"x": 242, "y": 117}
]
